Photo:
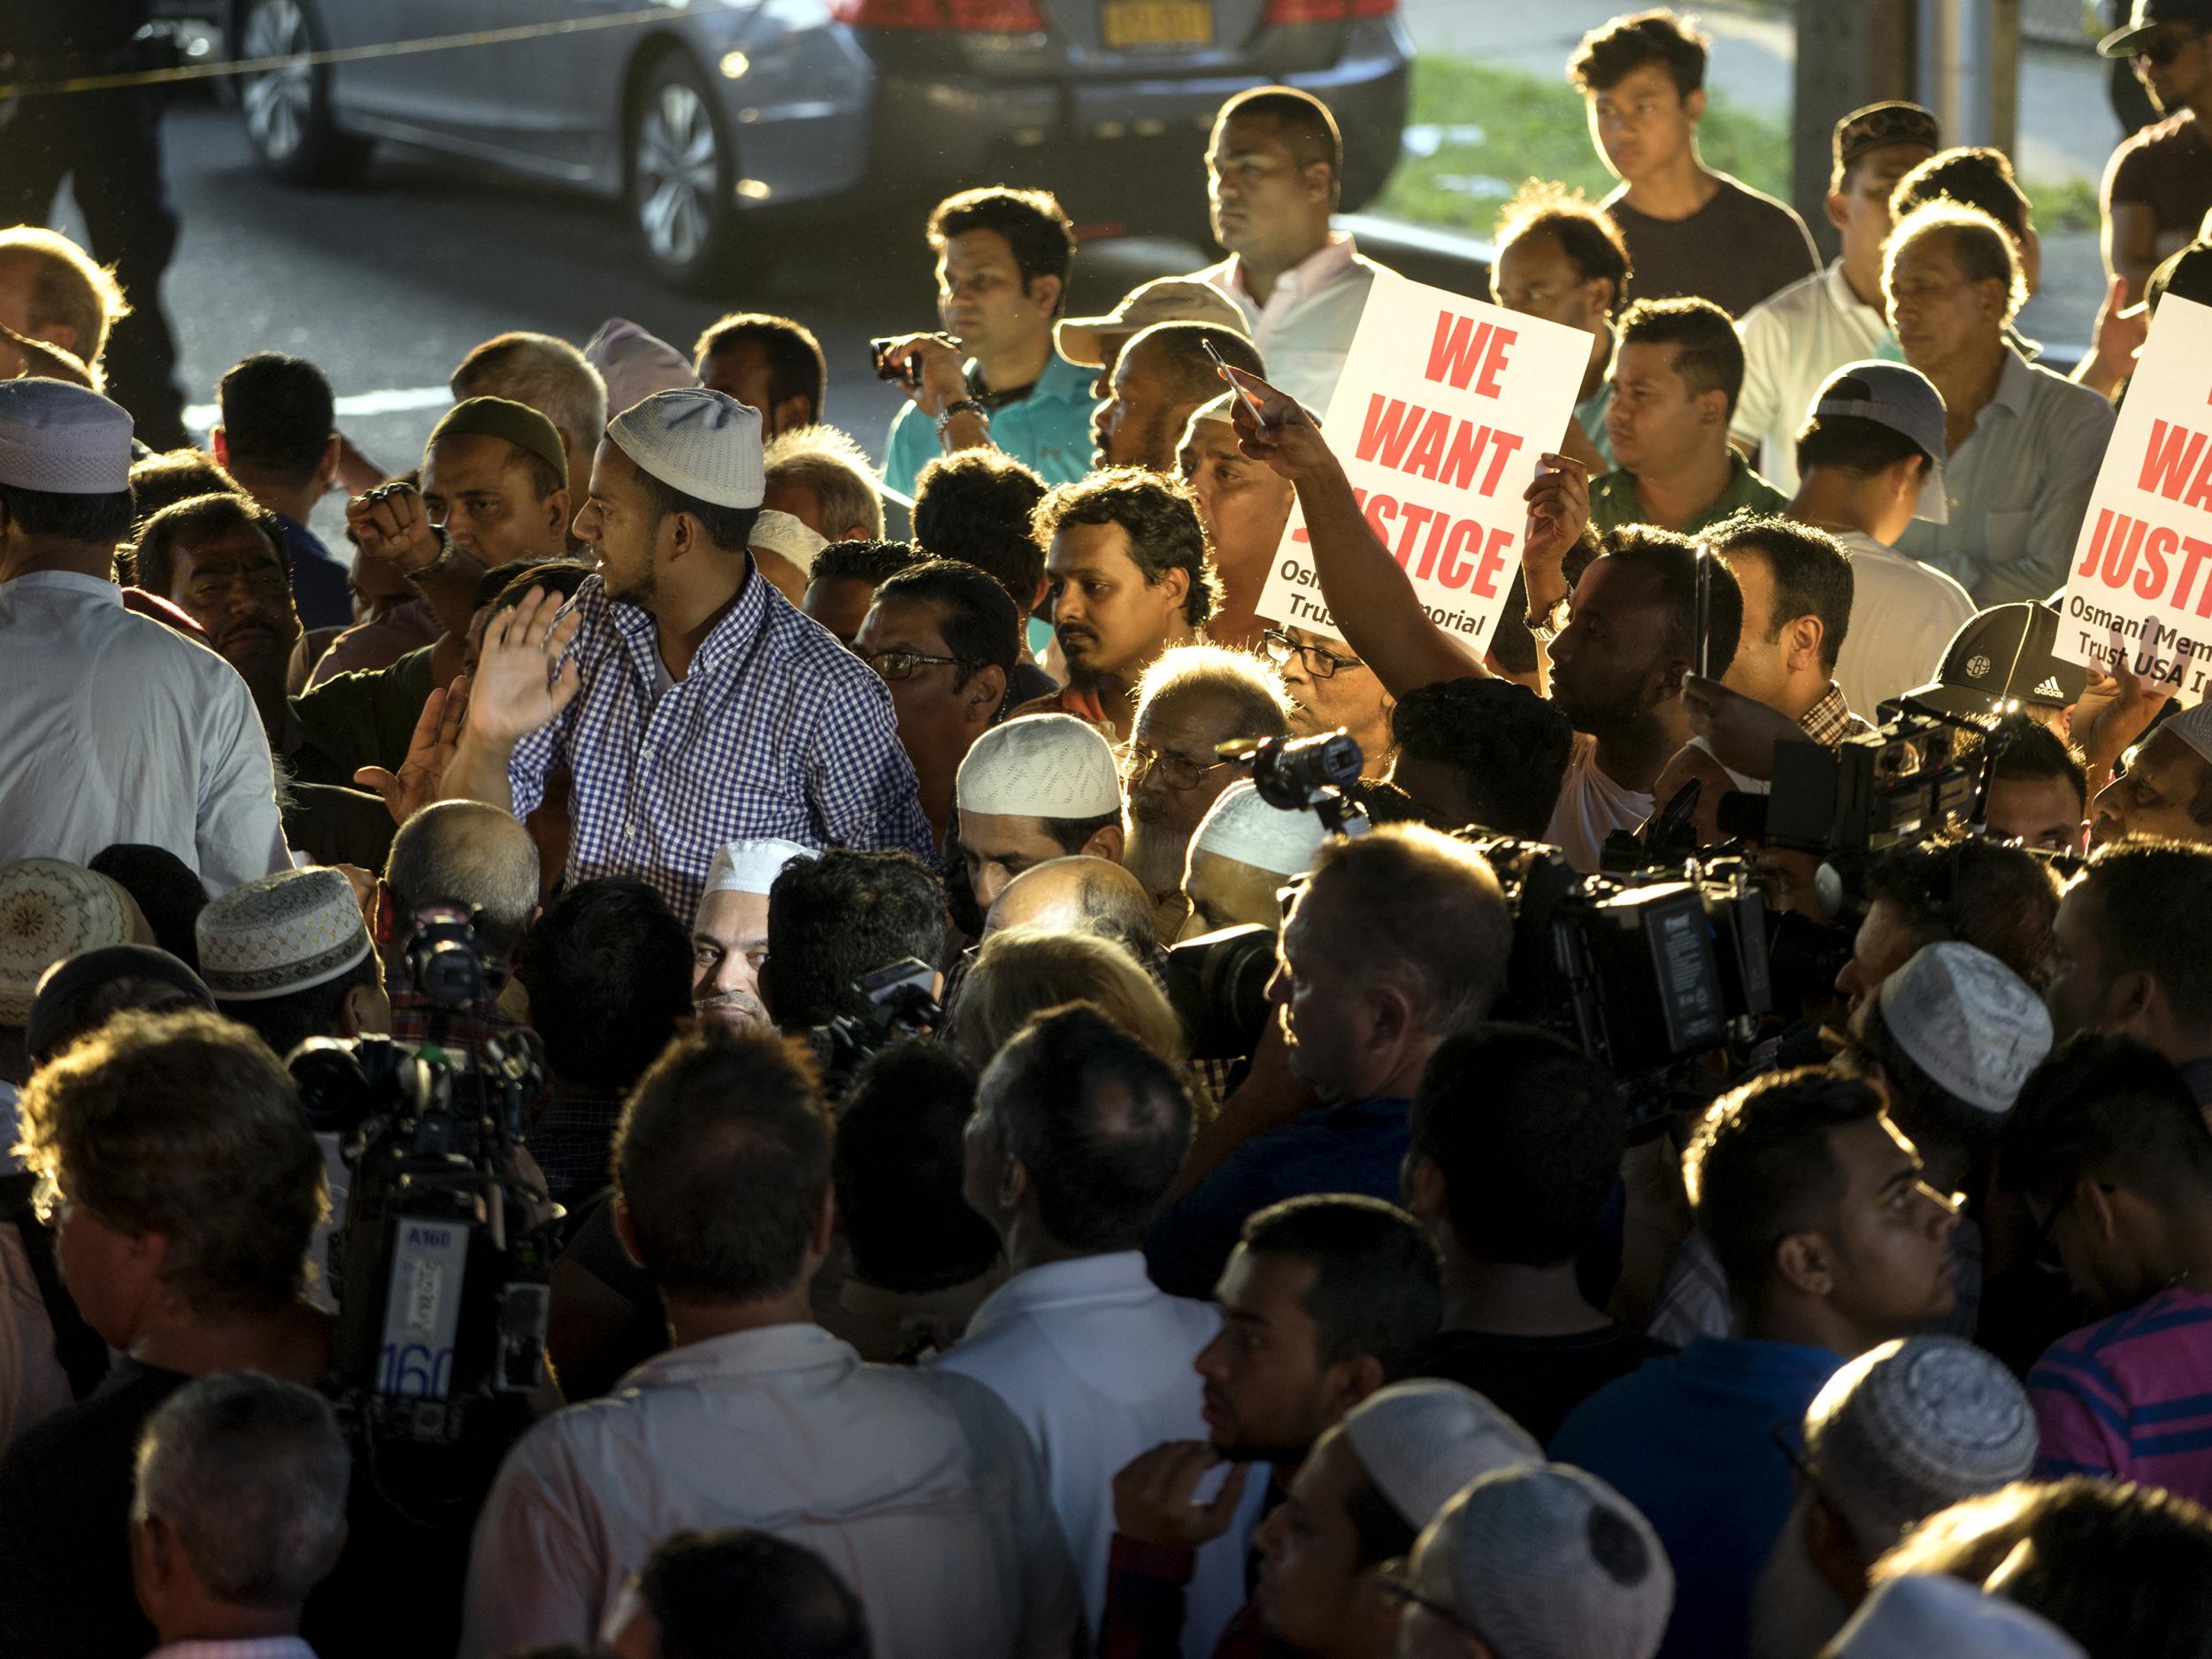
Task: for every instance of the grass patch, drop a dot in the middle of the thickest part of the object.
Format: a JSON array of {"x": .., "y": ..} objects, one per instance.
[{"x": 1493, "y": 128}]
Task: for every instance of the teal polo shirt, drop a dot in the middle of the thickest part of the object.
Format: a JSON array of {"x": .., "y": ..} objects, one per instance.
[{"x": 1048, "y": 431}]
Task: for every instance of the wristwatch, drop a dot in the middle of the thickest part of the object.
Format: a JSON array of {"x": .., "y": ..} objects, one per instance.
[
  {"x": 1552, "y": 623},
  {"x": 962, "y": 406}
]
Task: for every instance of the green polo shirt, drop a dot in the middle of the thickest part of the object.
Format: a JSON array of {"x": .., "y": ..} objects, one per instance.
[{"x": 1613, "y": 499}]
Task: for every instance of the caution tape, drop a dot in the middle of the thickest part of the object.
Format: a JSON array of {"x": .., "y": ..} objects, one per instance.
[{"x": 337, "y": 54}]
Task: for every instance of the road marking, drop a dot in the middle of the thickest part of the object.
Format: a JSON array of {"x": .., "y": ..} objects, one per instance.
[{"x": 394, "y": 400}]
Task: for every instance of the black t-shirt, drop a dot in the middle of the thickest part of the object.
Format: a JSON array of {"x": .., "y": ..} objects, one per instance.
[
  {"x": 1537, "y": 1380},
  {"x": 65, "y": 1539},
  {"x": 1735, "y": 251}
]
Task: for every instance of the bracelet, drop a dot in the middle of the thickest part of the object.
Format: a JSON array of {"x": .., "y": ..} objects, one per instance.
[
  {"x": 447, "y": 550},
  {"x": 963, "y": 406}
]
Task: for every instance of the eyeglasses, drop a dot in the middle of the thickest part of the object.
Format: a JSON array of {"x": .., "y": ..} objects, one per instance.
[
  {"x": 1396, "y": 1581},
  {"x": 2162, "y": 49},
  {"x": 1319, "y": 662},
  {"x": 1180, "y": 770},
  {"x": 902, "y": 665}
]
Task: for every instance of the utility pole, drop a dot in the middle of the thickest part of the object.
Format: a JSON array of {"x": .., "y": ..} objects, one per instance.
[{"x": 1849, "y": 53}]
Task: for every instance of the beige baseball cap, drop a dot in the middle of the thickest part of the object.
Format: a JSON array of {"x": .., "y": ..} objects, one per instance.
[{"x": 1082, "y": 340}]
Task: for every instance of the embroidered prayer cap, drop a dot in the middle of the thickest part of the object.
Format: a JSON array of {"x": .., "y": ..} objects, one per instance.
[
  {"x": 50, "y": 910},
  {"x": 792, "y": 537},
  {"x": 635, "y": 364},
  {"x": 1550, "y": 1563},
  {"x": 62, "y": 439},
  {"x": 282, "y": 934},
  {"x": 1042, "y": 765},
  {"x": 1241, "y": 825},
  {"x": 1421, "y": 1441},
  {"x": 2194, "y": 726},
  {"x": 1914, "y": 1427},
  {"x": 1922, "y": 1615},
  {"x": 752, "y": 866},
  {"x": 503, "y": 418},
  {"x": 699, "y": 443},
  {"x": 1967, "y": 1020}
]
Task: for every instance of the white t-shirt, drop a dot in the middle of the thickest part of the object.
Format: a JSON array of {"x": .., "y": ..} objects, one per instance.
[
  {"x": 1591, "y": 807},
  {"x": 1903, "y": 613}
]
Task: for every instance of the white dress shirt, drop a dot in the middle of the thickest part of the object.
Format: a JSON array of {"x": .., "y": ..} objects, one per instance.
[
  {"x": 1095, "y": 1361},
  {"x": 119, "y": 729},
  {"x": 1903, "y": 613},
  {"x": 1792, "y": 343},
  {"x": 920, "y": 1489},
  {"x": 1304, "y": 332}
]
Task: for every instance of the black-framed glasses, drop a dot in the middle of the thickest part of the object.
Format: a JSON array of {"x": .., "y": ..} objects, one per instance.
[
  {"x": 1318, "y": 661},
  {"x": 2162, "y": 49},
  {"x": 1396, "y": 1581},
  {"x": 902, "y": 665},
  {"x": 1180, "y": 770}
]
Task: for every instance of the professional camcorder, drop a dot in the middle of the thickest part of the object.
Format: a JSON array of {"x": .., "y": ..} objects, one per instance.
[
  {"x": 901, "y": 1003},
  {"x": 440, "y": 1260}
]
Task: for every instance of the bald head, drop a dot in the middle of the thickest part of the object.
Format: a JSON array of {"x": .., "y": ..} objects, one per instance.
[
  {"x": 464, "y": 853},
  {"x": 1081, "y": 895}
]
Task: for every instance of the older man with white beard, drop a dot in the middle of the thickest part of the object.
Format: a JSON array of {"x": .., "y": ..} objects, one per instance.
[{"x": 729, "y": 937}]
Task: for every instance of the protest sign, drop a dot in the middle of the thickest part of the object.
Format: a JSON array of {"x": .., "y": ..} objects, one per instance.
[
  {"x": 2142, "y": 576},
  {"x": 1444, "y": 405}
]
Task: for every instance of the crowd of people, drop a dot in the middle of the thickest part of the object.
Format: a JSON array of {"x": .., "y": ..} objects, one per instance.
[{"x": 945, "y": 1245}]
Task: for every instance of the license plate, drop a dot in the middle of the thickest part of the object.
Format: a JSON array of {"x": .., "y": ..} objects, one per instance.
[{"x": 1127, "y": 23}]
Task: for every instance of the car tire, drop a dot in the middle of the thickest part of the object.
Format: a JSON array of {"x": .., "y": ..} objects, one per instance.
[
  {"x": 681, "y": 165},
  {"x": 287, "y": 112}
]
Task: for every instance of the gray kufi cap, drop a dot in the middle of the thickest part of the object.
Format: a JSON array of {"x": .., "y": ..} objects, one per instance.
[
  {"x": 698, "y": 442},
  {"x": 62, "y": 439},
  {"x": 1421, "y": 1441},
  {"x": 281, "y": 933},
  {"x": 1933, "y": 1615},
  {"x": 1967, "y": 1020}
]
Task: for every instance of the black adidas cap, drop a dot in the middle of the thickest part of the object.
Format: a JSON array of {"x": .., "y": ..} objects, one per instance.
[{"x": 2005, "y": 654}]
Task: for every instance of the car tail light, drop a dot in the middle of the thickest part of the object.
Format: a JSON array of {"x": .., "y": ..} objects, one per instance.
[
  {"x": 1295, "y": 11},
  {"x": 999, "y": 15}
]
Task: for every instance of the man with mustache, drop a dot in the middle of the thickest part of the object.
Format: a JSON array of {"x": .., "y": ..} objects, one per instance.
[
  {"x": 221, "y": 558},
  {"x": 729, "y": 936},
  {"x": 1130, "y": 576}
]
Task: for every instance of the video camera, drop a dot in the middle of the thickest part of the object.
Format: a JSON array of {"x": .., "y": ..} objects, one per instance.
[
  {"x": 1903, "y": 779},
  {"x": 900, "y": 1005},
  {"x": 441, "y": 1261}
]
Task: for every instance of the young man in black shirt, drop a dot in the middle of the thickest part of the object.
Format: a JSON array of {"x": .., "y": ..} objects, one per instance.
[{"x": 1517, "y": 1144}]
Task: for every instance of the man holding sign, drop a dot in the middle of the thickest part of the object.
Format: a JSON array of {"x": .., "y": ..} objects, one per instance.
[{"x": 1618, "y": 668}]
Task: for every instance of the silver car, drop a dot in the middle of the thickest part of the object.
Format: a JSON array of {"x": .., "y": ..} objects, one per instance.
[{"x": 705, "y": 115}]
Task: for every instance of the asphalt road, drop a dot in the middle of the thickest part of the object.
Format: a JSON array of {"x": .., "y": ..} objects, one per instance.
[{"x": 385, "y": 284}]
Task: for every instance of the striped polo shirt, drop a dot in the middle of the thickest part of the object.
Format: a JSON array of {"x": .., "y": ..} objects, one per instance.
[{"x": 2131, "y": 1397}]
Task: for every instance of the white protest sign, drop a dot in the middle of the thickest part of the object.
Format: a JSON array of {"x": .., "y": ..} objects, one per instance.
[
  {"x": 1444, "y": 405},
  {"x": 2146, "y": 547}
]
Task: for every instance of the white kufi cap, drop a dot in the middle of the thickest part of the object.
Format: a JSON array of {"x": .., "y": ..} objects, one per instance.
[
  {"x": 279, "y": 934},
  {"x": 2194, "y": 726},
  {"x": 1241, "y": 825},
  {"x": 752, "y": 866},
  {"x": 700, "y": 442},
  {"x": 793, "y": 538},
  {"x": 1421, "y": 1441},
  {"x": 1041, "y": 765},
  {"x": 62, "y": 439},
  {"x": 1967, "y": 1020},
  {"x": 1924, "y": 1615}
]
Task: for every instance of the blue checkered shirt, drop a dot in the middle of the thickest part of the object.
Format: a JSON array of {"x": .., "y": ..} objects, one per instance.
[{"x": 777, "y": 730}]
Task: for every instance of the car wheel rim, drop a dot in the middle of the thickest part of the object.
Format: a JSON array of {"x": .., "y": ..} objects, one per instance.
[
  {"x": 676, "y": 166},
  {"x": 277, "y": 102}
]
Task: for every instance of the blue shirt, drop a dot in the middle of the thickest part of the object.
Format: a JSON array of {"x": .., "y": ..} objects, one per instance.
[
  {"x": 1359, "y": 1148},
  {"x": 1048, "y": 431},
  {"x": 321, "y": 587},
  {"x": 776, "y": 730},
  {"x": 1688, "y": 1439}
]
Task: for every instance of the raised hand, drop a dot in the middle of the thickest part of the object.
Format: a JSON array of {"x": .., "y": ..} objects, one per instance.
[
  {"x": 1282, "y": 434},
  {"x": 1558, "y": 511},
  {"x": 429, "y": 752},
  {"x": 1153, "y": 1495},
  {"x": 938, "y": 368},
  {"x": 521, "y": 680},
  {"x": 2117, "y": 707},
  {"x": 391, "y": 523}
]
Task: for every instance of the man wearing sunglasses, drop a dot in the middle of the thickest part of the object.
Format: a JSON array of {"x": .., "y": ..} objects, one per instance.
[
  {"x": 944, "y": 636},
  {"x": 2158, "y": 186}
]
